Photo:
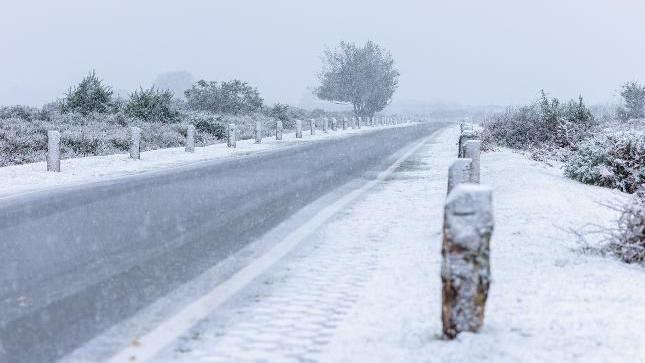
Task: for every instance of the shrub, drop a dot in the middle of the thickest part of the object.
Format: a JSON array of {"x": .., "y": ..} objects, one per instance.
[
  {"x": 633, "y": 94},
  {"x": 233, "y": 97},
  {"x": 152, "y": 105},
  {"x": 628, "y": 242},
  {"x": 616, "y": 160},
  {"x": 88, "y": 96}
]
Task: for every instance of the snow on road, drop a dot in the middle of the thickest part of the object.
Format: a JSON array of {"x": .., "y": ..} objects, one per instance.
[
  {"x": 365, "y": 286},
  {"x": 32, "y": 177}
]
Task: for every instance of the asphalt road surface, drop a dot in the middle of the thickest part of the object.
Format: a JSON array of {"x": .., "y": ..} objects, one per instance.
[{"x": 75, "y": 261}]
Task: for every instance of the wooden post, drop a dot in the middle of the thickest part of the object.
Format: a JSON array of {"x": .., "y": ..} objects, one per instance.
[
  {"x": 190, "y": 138},
  {"x": 231, "y": 136},
  {"x": 334, "y": 124},
  {"x": 278, "y": 130},
  {"x": 344, "y": 123},
  {"x": 298, "y": 129},
  {"x": 465, "y": 270},
  {"x": 312, "y": 126},
  {"x": 53, "y": 151},
  {"x": 325, "y": 124},
  {"x": 463, "y": 137},
  {"x": 459, "y": 173},
  {"x": 135, "y": 142},
  {"x": 258, "y": 132},
  {"x": 472, "y": 150}
]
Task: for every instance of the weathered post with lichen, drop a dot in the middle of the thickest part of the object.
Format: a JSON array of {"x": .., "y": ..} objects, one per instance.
[
  {"x": 190, "y": 138},
  {"x": 298, "y": 129},
  {"x": 278, "y": 130},
  {"x": 472, "y": 150},
  {"x": 135, "y": 142},
  {"x": 53, "y": 151},
  {"x": 258, "y": 132},
  {"x": 465, "y": 269},
  {"x": 459, "y": 173},
  {"x": 230, "y": 136}
]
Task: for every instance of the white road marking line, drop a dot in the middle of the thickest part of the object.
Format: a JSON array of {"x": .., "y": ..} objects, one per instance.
[{"x": 154, "y": 341}]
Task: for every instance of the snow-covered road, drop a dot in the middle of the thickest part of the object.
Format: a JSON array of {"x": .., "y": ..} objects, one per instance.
[{"x": 365, "y": 286}]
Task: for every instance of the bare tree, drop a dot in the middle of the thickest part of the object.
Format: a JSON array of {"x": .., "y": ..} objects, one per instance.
[{"x": 364, "y": 77}]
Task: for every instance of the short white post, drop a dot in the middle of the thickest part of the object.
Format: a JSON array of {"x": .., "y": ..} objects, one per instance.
[
  {"x": 53, "y": 151},
  {"x": 465, "y": 268},
  {"x": 463, "y": 138},
  {"x": 472, "y": 150},
  {"x": 459, "y": 173},
  {"x": 325, "y": 124},
  {"x": 298, "y": 129},
  {"x": 190, "y": 138},
  {"x": 278, "y": 130},
  {"x": 135, "y": 142},
  {"x": 344, "y": 123},
  {"x": 312, "y": 126},
  {"x": 258, "y": 132},
  {"x": 231, "y": 136},
  {"x": 334, "y": 123},
  {"x": 358, "y": 122}
]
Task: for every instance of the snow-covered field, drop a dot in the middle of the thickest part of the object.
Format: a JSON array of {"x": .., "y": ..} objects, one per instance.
[{"x": 34, "y": 177}]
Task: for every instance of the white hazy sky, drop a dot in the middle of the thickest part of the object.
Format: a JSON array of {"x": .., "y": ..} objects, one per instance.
[{"x": 467, "y": 52}]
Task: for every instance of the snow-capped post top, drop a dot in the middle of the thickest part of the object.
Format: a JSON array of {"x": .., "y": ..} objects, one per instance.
[
  {"x": 135, "y": 142},
  {"x": 53, "y": 150},
  {"x": 465, "y": 270},
  {"x": 298, "y": 129},
  {"x": 467, "y": 134},
  {"x": 459, "y": 173},
  {"x": 190, "y": 138},
  {"x": 230, "y": 136}
]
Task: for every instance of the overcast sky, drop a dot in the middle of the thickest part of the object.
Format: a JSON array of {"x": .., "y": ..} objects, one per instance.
[{"x": 466, "y": 52}]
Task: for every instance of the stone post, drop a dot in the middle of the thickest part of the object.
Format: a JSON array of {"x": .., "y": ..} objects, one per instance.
[
  {"x": 278, "y": 130},
  {"x": 334, "y": 124},
  {"x": 135, "y": 142},
  {"x": 465, "y": 136},
  {"x": 465, "y": 269},
  {"x": 190, "y": 138},
  {"x": 53, "y": 151},
  {"x": 325, "y": 124},
  {"x": 344, "y": 123},
  {"x": 298, "y": 129},
  {"x": 231, "y": 136},
  {"x": 472, "y": 150},
  {"x": 459, "y": 173},
  {"x": 358, "y": 122},
  {"x": 258, "y": 132},
  {"x": 312, "y": 126}
]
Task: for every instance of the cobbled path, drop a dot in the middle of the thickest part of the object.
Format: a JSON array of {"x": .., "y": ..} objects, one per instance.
[{"x": 291, "y": 313}]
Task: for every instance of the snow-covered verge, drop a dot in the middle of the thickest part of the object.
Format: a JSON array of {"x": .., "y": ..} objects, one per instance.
[
  {"x": 31, "y": 177},
  {"x": 549, "y": 302}
]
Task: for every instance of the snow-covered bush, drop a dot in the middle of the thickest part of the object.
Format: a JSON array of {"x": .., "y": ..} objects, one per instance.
[
  {"x": 633, "y": 94},
  {"x": 615, "y": 160},
  {"x": 152, "y": 105},
  {"x": 628, "y": 242},
  {"x": 545, "y": 122},
  {"x": 89, "y": 96},
  {"x": 232, "y": 97}
]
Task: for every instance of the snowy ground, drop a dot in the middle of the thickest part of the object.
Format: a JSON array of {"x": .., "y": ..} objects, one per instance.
[
  {"x": 365, "y": 287},
  {"x": 31, "y": 177}
]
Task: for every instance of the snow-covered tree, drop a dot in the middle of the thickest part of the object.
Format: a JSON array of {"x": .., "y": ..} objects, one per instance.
[
  {"x": 633, "y": 94},
  {"x": 91, "y": 95},
  {"x": 364, "y": 77},
  {"x": 151, "y": 105},
  {"x": 233, "y": 97}
]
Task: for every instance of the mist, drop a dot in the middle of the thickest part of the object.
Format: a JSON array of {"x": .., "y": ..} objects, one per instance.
[{"x": 463, "y": 52}]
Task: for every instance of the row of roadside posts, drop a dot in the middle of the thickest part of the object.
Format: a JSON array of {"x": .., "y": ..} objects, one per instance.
[
  {"x": 325, "y": 124},
  {"x": 467, "y": 229}
]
